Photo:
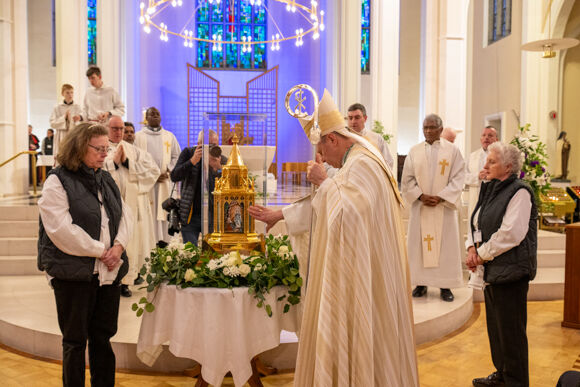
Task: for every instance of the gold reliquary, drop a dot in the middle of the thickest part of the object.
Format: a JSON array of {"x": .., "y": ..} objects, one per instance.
[{"x": 234, "y": 228}]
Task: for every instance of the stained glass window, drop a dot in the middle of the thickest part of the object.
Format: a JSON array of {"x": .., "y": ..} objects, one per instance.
[
  {"x": 92, "y": 31},
  {"x": 365, "y": 36},
  {"x": 232, "y": 20},
  {"x": 500, "y": 20}
]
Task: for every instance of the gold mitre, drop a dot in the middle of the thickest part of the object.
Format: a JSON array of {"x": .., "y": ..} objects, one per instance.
[{"x": 329, "y": 118}]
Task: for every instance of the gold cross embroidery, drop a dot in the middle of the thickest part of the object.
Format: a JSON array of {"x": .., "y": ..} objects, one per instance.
[
  {"x": 428, "y": 239},
  {"x": 443, "y": 164},
  {"x": 167, "y": 145}
]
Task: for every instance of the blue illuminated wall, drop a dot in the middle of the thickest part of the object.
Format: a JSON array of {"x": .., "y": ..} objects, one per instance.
[{"x": 157, "y": 75}]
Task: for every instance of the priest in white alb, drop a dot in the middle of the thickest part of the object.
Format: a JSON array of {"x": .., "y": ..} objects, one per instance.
[
  {"x": 164, "y": 148},
  {"x": 475, "y": 174},
  {"x": 357, "y": 325},
  {"x": 431, "y": 184},
  {"x": 101, "y": 102},
  {"x": 65, "y": 116},
  {"x": 135, "y": 173}
]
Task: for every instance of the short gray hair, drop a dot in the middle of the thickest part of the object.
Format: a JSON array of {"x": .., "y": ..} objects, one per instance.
[
  {"x": 508, "y": 155},
  {"x": 436, "y": 118}
]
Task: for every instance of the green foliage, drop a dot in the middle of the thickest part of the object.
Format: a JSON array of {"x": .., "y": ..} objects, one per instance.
[
  {"x": 379, "y": 128},
  {"x": 535, "y": 161},
  {"x": 188, "y": 266}
]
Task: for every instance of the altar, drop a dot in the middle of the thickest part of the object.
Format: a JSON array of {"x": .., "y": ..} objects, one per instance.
[{"x": 221, "y": 329}]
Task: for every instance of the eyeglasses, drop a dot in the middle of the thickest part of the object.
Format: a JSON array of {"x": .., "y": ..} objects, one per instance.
[
  {"x": 117, "y": 128},
  {"x": 430, "y": 127},
  {"x": 100, "y": 149}
]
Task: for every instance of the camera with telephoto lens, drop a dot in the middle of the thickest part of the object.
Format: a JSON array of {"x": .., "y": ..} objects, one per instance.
[{"x": 171, "y": 205}]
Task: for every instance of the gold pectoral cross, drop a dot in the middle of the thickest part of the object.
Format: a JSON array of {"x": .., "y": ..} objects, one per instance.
[
  {"x": 167, "y": 145},
  {"x": 428, "y": 239},
  {"x": 443, "y": 164}
]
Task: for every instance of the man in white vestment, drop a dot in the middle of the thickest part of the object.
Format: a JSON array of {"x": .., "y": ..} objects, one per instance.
[
  {"x": 165, "y": 149},
  {"x": 357, "y": 118},
  {"x": 475, "y": 173},
  {"x": 431, "y": 184},
  {"x": 101, "y": 102},
  {"x": 357, "y": 325},
  {"x": 65, "y": 116},
  {"x": 135, "y": 173}
]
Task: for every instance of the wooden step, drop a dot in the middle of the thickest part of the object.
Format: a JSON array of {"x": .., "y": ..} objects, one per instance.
[
  {"x": 15, "y": 246},
  {"x": 19, "y": 212},
  {"x": 18, "y": 265},
  {"x": 19, "y": 228}
]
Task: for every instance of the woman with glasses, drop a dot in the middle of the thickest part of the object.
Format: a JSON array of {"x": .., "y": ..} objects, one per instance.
[{"x": 84, "y": 228}]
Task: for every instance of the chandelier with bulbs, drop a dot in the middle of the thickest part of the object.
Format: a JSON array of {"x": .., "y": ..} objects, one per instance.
[{"x": 153, "y": 10}]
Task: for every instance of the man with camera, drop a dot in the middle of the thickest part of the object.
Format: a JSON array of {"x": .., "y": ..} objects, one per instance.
[{"x": 188, "y": 171}]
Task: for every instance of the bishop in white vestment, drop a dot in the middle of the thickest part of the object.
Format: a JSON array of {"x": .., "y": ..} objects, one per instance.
[
  {"x": 357, "y": 325},
  {"x": 474, "y": 174},
  {"x": 165, "y": 150},
  {"x": 431, "y": 184},
  {"x": 135, "y": 173}
]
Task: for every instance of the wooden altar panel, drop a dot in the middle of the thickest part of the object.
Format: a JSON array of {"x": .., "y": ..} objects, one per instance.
[{"x": 572, "y": 278}]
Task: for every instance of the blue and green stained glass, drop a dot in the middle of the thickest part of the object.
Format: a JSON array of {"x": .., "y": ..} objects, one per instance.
[
  {"x": 365, "y": 36},
  {"x": 92, "y": 31},
  {"x": 233, "y": 19}
]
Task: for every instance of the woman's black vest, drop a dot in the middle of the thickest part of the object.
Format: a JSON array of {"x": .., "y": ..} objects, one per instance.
[
  {"x": 82, "y": 189},
  {"x": 521, "y": 260}
]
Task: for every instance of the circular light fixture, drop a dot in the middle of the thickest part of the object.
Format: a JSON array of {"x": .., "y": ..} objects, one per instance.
[{"x": 550, "y": 46}]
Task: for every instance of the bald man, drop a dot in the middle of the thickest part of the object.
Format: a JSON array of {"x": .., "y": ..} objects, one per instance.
[
  {"x": 449, "y": 134},
  {"x": 135, "y": 173},
  {"x": 474, "y": 174}
]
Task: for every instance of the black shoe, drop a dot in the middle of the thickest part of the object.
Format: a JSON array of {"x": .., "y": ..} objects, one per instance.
[
  {"x": 125, "y": 291},
  {"x": 419, "y": 291},
  {"x": 139, "y": 280},
  {"x": 495, "y": 379},
  {"x": 446, "y": 295}
]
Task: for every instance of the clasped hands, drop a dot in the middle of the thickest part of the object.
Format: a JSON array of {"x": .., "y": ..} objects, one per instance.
[
  {"x": 430, "y": 200},
  {"x": 120, "y": 156},
  {"x": 75, "y": 118},
  {"x": 473, "y": 260},
  {"x": 112, "y": 256}
]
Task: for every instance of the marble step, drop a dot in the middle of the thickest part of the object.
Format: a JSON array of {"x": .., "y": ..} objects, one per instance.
[
  {"x": 15, "y": 246},
  {"x": 18, "y": 265},
  {"x": 551, "y": 258},
  {"x": 548, "y": 285},
  {"x": 19, "y": 228},
  {"x": 19, "y": 213}
]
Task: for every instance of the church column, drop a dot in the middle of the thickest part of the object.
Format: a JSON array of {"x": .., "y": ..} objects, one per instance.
[
  {"x": 14, "y": 96},
  {"x": 384, "y": 67},
  {"x": 445, "y": 64},
  {"x": 109, "y": 43},
  {"x": 349, "y": 31},
  {"x": 71, "y": 47}
]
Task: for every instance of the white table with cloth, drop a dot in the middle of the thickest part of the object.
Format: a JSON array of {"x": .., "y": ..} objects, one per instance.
[{"x": 221, "y": 329}]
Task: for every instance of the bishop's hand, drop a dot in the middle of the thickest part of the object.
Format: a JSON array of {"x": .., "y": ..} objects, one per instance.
[
  {"x": 266, "y": 215},
  {"x": 315, "y": 172}
]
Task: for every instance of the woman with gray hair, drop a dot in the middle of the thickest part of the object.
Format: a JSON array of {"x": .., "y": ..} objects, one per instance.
[{"x": 503, "y": 239}]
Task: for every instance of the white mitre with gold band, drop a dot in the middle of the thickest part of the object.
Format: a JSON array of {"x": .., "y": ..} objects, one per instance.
[{"x": 331, "y": 120}]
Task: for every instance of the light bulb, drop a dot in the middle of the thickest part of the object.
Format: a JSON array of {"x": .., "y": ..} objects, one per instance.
[
  {"x": 174, "y": 3},
  {"x": 147, "y": 29},
  {"x": 141, "y": 20},
  {"x": 288, "y": 8},
  {"x": 322, "y": 27},
  {"x": 141, "y": 5}
]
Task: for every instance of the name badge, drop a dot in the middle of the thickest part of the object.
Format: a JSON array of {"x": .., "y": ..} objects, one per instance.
[{"x": 477, "y": 236}]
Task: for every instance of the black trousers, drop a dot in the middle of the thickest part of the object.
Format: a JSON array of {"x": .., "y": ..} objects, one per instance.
[
  {"x": 507, "y": 315},
  {"x": 87, "y": 311}
]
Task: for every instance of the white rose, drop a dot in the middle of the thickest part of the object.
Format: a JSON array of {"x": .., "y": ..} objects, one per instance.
[
  {"x": 189, "y": 275},
  {"x": 168, "y": 258},
  {"x": 212, "y": 265},
  {"x": 227, "y": 271},
  {"x": 244, "y": 269},
  {"x": 283, "y": 250},
  {"x": 258, "y": 267}
]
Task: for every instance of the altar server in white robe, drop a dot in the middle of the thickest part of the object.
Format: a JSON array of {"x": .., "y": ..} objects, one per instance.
[
  {"x": 65, "y": 116},
  {"x": 101, "y": 102},
  {"x": 357, "y": 325},
  {"x": 431, "y": 184},
  {"x": 165, "y": 149},
  {"x": 135, "y": 173},
  {"x": 475, "y": 173}
]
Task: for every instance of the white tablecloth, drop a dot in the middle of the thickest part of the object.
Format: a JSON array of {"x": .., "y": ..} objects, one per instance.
[{"x": 221, "y": 329}]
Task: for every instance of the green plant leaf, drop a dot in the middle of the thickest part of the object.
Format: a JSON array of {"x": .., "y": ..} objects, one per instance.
[
  {"x": 139, "y": 312},
  {"x": 134, "y": 307},
  {"x": 269, "y": 310},
  {"x": 150, "y": 307}
]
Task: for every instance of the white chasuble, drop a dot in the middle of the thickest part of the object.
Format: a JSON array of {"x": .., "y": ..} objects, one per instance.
[
  {"x": 433, "y": 238},
  {"x": 164, "y": 148},
  {"x": 357, "y": 326},
  {"x": 135, "y": 183}
]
